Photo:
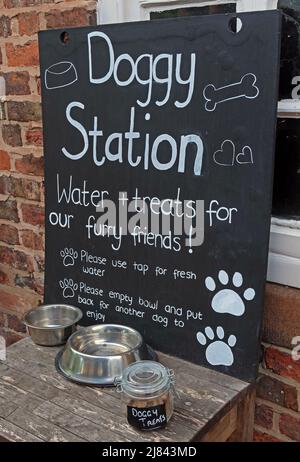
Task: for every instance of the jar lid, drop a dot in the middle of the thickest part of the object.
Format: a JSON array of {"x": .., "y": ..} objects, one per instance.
[{"x": 145, "y": 379}]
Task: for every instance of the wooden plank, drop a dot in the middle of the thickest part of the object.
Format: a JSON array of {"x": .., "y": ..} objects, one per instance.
[
  {"x": 224, "y": 381},
  {"x": 21, "y": 398},
  {"x": 77, "y": 425},
  {"x": 98, "y": 405},
  {"x": 191, "y": 400},
  {"x": 6, "y": 407},
  {"x": 245, "y": 422},
  {"x": 29, "y": 384},
  {"x": 108, "y": 422},
  {"x": 117, "y": 429},
  {"x": 204, "y": 397},
  {"x": 201, "y": 373},
  {"x": 41, "y": 428},
  {"x": 223, "y": 429},
  {"x": 81, "y": 407},
  {"x": 111, "y": 400},
  {"x": 10, "y": 375},
  {"x": 118, "y": 422},
  {"x": 13, "y": 433},
  {"x": 28, "y": 348},
  {"x": 217, "y": 390}
]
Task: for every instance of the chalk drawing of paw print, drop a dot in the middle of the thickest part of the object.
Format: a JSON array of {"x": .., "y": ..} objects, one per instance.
[
  {"x": 228, "y": 300},
  {"x": 219, "y": 351},
  {"x": 69, "y": 287},
  {"x": 69, "y": 256}
]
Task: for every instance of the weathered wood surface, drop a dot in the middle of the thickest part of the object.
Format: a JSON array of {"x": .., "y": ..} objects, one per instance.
[
  {"x": 245, "y": 422},
  {"x": 38, "y": 404},
  {"x": 224, "y": 429}
]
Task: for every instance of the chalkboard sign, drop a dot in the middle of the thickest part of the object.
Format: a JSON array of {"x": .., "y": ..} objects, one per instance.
[
  {"x": 159, "y": 141},
  {"x": 149, "y": 418}
]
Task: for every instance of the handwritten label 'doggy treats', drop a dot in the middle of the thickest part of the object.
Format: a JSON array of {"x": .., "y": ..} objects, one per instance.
[{"x": 159, "y": 157}]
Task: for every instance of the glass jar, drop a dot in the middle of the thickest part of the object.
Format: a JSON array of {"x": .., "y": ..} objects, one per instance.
[{"x": 148, "y": 392}]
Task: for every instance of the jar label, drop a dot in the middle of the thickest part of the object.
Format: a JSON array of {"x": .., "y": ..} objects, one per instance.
[{"x": 148, "y": 418}]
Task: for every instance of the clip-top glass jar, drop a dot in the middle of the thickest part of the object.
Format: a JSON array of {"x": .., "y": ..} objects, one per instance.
[{"x": 147, "y": 391}]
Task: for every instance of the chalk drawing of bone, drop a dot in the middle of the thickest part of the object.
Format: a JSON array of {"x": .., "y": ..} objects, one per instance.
[{"x": 245, "y": 88}]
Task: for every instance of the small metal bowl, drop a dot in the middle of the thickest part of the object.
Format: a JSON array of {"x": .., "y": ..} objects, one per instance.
[
  {"x": 51, "y": 325},
  {"x": 96, "y": 355}
]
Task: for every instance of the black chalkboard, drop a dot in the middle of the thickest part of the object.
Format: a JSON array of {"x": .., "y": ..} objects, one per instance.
[
  {"x": 175, "y": 117},
  {"x": 148, "y": 418}
]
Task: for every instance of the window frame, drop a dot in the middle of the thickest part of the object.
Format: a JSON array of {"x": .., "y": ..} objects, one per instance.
[{"x": 284, "y": 253}]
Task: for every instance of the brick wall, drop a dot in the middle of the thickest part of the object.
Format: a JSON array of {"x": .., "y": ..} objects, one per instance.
[
  {"x": 278, "y": 390},
  {"x": 22, "y": 212},
  {"x": 21, "y": 154}
]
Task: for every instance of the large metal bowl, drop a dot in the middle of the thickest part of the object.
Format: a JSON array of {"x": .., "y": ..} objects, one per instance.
[
  {"x": 96, "y": 355},
  {"x": 51, "y": 325}
]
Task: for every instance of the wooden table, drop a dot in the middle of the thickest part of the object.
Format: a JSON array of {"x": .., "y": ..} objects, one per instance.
[{"x": 38, "y": 404}]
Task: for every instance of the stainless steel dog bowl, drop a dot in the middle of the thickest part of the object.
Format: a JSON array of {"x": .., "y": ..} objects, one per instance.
[
  {"x": 51, "y": 325},
  {"x": 96, "y": 355}
]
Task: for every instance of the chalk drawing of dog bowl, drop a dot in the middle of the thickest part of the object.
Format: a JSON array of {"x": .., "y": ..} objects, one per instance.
[{"x": 60, "y": 75}]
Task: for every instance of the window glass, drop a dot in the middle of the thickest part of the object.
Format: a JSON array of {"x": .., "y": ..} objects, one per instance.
[
  {"x": 286, "y": 198},
  {"x": 290, "y": 54},
  {"x": 194, "y": 11}
]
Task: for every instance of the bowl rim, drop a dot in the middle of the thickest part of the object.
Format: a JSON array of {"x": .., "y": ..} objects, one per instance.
[
  {"x": 44, "y": 307},
  {"x": 86, "y": 355},
  {"x": 93, "y": 381}
]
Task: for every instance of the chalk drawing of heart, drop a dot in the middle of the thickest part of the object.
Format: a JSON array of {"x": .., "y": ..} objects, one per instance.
[
  {"x": 246, "y": 156},
  {"x": 226, "y": 155}
]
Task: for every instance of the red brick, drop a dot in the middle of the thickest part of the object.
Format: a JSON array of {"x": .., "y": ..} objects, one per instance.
[
  {"x": 2, "y": 319},
  {"x": 30, "y": 282},
  {"x": 34, "y": 136},
  {"x": 17, "y": 301},
  {"x": 23, "y": 55},
  {"x": 3, "y": 280},
  {"x": 9, "y": 210},
  {"x": 24, "y": 111},
  {"x": 28, "y": 23},
  {"x": 14, "y": 323},
  {"x": 290, "y": 426},
  {"x": 32, "y": 240},
  {"x": 24, "y": 3},
  {"x": 20, "y": 187},
  {"x": 33, "y": 214},
  {"x": 30, "y": 165},
  {"x": 271, "y": 389},
  {"x": 38, "y": 85},
  {"x": 12, "y": 134},
  {"x": 16, "y": 83},
  {"x": 264, "y": 416},
  {"x": 3, "y": 184},
  {"x": 9, "y": 234},
  {"x": 11, "y": 301},
  {"x": 260, "y": 437},
  {"x": 68, "y": 18},
  {"x": 40, "y": 260},
  {"x": 5, "y": 28},
  {"x": 16, "y": 259},
  {"x": 10, "y": 337},
  {"x": 4, "y": 160},
  {"x": 282, "y": 363}
]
